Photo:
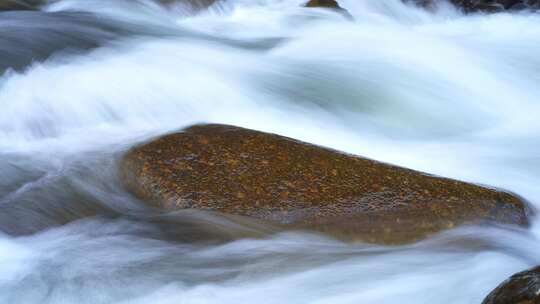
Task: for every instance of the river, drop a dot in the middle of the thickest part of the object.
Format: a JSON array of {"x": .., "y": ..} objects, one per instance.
[{"x": 83, "y": 80}]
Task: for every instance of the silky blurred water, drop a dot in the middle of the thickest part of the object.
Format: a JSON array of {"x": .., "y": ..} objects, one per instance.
[{"x": 83, "y": 80}]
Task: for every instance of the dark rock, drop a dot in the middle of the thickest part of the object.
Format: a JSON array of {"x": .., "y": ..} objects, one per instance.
[
  {"x": 330, "y": 4},
  {"x": 323, "y": 3},
  {"x": 274, "y": 178},
  {"x": 470, "y": 6},
  {"x": 521, "y": 288}
]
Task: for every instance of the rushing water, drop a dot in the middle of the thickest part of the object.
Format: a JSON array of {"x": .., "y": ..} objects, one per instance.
[{"x": 84, "y": 80}]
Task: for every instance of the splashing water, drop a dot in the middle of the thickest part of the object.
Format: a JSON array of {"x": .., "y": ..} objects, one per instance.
[{"x": 441, "y": 92}]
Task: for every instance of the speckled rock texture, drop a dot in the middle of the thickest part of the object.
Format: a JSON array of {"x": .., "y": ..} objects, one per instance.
[
  {"x": 521, "y": 288},
  {"x": 278, "y": 179},
  {"x": 470, "y": 6}
]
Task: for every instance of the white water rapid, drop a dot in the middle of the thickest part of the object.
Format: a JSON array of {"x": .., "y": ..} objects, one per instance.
[{"x": 83, "y": 80}]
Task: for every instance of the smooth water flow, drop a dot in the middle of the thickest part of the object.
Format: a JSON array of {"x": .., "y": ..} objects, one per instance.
[{"x": 84, "y": 80}]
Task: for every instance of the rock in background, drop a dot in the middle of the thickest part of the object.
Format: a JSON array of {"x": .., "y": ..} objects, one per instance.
[
  {"x": 330, "y": 4},
  {"x": 470, "y": 6}
]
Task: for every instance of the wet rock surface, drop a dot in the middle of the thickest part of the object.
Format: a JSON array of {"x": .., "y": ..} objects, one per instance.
[
  {"x": 521, "y": 288},
  {"x": 485, "y": 5},
  {"x": 281, "y": 180},
  {"x": 330, "y": 4},
  {"x": 323, "y": 3}
]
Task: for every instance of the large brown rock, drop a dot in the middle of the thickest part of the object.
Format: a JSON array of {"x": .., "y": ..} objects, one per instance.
[
  {"x": 278, "y": 179},
  {"x": 521, "y": 288}
]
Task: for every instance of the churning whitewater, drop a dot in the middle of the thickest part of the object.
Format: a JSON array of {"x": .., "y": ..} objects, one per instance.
[{"x": 84, "y": 80}]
